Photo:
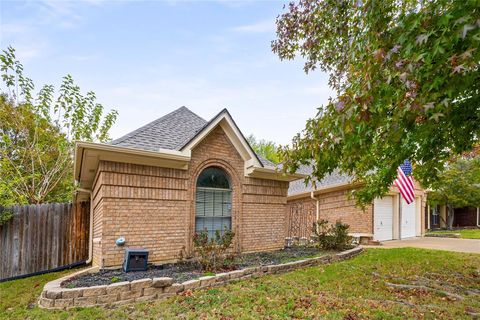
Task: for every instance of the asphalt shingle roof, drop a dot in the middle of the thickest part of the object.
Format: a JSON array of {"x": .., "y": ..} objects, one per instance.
[
  {"x": 171, "y": 131},
  {"x": 298, "y": 186}
]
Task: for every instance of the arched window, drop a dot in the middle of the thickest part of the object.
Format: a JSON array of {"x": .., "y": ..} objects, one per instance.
[{"x": 213, "y": 209}]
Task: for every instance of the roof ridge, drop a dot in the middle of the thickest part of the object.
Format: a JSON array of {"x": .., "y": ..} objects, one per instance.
[{"x": 152, "y": 123}]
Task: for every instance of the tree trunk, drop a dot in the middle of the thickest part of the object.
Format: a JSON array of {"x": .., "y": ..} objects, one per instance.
[{"x": 450, "y": 216}]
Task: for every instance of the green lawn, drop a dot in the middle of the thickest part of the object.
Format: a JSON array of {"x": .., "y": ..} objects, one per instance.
[
  {"x": 353, "y": 289},
  {"x": 464, "y": 233}
]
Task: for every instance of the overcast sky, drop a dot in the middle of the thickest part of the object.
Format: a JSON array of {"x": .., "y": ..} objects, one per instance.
[{"x": 146, "y": 59}]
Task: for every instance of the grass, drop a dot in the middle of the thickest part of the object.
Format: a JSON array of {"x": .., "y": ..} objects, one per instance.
[
  {"x": 464, "y": 233},
  {"x": 353, "y": 289}
]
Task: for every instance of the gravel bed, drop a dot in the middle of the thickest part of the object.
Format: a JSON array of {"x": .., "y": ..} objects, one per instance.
[{"x": 184, "y": 271}]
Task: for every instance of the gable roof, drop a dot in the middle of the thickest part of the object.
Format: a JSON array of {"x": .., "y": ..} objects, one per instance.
[
  {"x": 175, "y": 131},
  {"x": 225, "y": 120},
  {"x": 333, "y": 179}
]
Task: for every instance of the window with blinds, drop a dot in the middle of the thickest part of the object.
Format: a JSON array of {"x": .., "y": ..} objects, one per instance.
[{"x": 213, "y": 201}]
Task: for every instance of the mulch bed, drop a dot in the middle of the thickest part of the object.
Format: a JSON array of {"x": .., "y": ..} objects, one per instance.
[{"x": 184, "y": 271}]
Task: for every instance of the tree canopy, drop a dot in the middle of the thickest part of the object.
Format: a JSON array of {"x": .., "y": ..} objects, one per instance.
[
  {"x": 267, "y": 149},
  {"x": 407, "y": 79},
  {"x": 37, "y": 134},
  {"x": 458, "y": 186}
]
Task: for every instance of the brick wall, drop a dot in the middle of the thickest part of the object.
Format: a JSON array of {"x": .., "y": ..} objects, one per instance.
[
  {"x": 335, "y": 205},
  {"x": 258, "y": 205},
  {"x": 465, "y": 217},
  {"x": 153, "y": 207}
]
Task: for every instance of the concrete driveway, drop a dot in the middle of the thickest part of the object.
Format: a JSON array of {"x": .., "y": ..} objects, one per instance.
[{"x": 449, "y": 244}]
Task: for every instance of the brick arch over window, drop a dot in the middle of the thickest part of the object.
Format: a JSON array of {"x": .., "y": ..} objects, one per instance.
[{"x": 235, "y": 186}]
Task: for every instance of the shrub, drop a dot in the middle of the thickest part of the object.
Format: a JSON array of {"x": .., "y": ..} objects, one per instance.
[
  {"x": 332, "y": 236},
  {"x": 5, "y": 216},
  {"x": 212, "y": 253}
]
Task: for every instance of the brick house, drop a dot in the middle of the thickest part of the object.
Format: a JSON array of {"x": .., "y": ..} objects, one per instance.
[
  {"x": 179, "y": 174},
  {"x": 465, "y": 217},
  {"x": 384, "y": 219}
]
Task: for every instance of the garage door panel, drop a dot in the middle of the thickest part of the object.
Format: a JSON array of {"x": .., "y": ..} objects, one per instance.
[
  {"x": 383, "y": 219},
  {"x": 408, "y": 224}
]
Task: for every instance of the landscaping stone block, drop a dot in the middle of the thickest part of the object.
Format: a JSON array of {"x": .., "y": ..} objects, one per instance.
[
  {"x": 273, "y": 269},
  {"x": 207, "y": 281},
  {"x": 85, "y": 301},
  {"x": 191, "y": 284},
  {"x": 140, "y": 284},
  {"x": 55, "y": 284},
  {"x": 236, "y": 274},
  {"x": 47, "y": 303},
  {"x": 262, "y": 269},
  {"x": 162, "y": 282},
  {"x": 152, "y": 291},
  {"x": 123, "y": 302},
  {"x": 72, "y": 293},
  {"x": 222, "y": 277},
  {"x": 54, "y": 293},
  {"x": 162, "y": 296},
  {"x": 146, "y": 298},
  {"x": 249, "y": 270},
  {"x": 63, "y": 303},
  {"x": 108, "y": 298},
  {"x": 132, "y": 294},
  {"x": 118, "y": 287},
  {"x": 174, "y": 288},
  {"x": 94, "y": 291}
]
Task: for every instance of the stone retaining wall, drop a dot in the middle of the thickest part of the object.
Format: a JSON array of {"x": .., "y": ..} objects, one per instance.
[{"x": 120, "y": 293}]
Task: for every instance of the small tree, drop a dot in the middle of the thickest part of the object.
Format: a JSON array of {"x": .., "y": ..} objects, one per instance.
[
  {"x": 458, "y": 186},
  {"x": 267, "y": 149},
  {"x": 37, "y": 134}
]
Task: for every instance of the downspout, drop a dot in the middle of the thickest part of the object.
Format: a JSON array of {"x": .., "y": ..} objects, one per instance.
[
  {"x": 317, "y": 214},
  {"x": 90, "y": 233}
]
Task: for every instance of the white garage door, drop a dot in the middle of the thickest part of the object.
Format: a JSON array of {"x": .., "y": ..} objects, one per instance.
[
  {"x": 383, "y": 219},
  {"x": 408, "y": 219}
]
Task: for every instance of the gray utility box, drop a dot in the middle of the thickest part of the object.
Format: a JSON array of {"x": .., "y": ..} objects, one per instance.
[{"x": 135, "y": 259}]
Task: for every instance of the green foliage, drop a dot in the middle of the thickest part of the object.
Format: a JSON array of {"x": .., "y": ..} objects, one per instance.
[
  {"x": 35, "y": 157},
  {"x": 37, "y": 134},
  {"x": 332, "y": 237},
  {"x": 267, "y": 149},
  {"x": 5, "y": 216},
  {"x": 352, "y": 289},
  {"x": 114, "y": 279},
  {"x": 407, "y": 79},
  {"x": 212, "y": 253},
  {"x": 458, "y": 186}
]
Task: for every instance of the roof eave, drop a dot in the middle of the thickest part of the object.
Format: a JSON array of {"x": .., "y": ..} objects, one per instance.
[
  {"x": 272, "y": 174},
  {"x": 89, "y": 154}
]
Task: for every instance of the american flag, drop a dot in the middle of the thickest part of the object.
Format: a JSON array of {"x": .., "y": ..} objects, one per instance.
[{"x": 404, "y": 181}]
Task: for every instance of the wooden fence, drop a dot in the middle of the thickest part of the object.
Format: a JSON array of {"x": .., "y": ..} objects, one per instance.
[{"x": 43, "y": 237}]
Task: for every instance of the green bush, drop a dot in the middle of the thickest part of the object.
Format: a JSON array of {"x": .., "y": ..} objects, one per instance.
[
  {"x": 212, "y": 253},
  {"x": 5, "y": 216},
  {"x": 332, "y": 236}
]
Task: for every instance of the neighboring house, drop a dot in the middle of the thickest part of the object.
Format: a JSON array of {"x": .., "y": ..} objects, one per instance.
[
  {"x": 179, "y": 174},
  {"x": 384, "y": 219},
  {"x": 462, "y": 217}
]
